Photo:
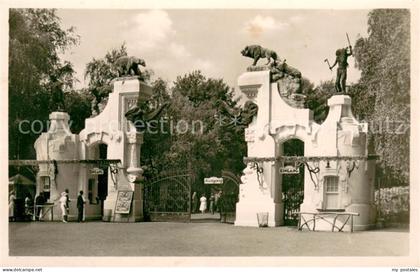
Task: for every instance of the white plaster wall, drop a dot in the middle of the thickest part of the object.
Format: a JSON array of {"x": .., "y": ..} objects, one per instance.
[{"x": 59, "y": 144}]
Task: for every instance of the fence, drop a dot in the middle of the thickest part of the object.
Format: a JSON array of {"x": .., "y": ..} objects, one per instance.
[{"x": 393, "y": 204}]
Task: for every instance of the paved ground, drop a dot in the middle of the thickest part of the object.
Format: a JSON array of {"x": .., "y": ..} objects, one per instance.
[{"x": 195, "y": 239}]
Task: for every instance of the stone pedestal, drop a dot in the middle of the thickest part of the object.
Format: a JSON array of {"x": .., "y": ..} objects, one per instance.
[{"x": 255, "y": 197}]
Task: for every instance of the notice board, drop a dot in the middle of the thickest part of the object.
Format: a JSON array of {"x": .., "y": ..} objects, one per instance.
[{"x": 123, "y": 204}]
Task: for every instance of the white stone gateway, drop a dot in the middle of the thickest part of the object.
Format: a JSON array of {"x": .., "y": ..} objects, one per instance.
[
  {"x": 338, "y": 136},
  {"x": 111, "y": 130}
]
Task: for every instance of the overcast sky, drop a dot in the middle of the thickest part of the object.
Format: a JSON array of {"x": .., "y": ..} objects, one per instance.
[{"x": 175, "y": 42}]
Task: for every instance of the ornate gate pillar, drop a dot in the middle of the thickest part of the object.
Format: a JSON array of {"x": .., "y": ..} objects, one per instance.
[{"x": 112, "y": 128}]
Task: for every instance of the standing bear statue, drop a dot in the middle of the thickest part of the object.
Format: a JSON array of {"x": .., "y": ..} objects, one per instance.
[{"x": 129, "y": 66}]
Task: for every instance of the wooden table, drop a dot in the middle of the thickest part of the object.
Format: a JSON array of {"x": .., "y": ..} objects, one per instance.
[{"x": 45, "y": 209}]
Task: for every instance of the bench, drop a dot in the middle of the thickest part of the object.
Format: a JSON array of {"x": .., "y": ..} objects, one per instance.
[{"x": 305, "y": 218}]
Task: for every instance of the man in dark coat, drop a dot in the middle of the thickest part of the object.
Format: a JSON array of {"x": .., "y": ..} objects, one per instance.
[
  {"x": 80, "y": 205},
  {"x": 67, "y": 204},
  {"x": 39, "y": 201}
]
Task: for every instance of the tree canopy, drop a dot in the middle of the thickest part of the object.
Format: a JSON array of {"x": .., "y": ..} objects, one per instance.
[
  {"x": 196, "y": 141},
  {"x": 35, "y": 69},
  {"x": 100, "y": 73},
  {"x": 384, "y": 87}
]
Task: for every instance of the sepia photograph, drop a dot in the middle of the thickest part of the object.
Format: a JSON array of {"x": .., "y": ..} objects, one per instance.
[{"x": 209, "y": 132}]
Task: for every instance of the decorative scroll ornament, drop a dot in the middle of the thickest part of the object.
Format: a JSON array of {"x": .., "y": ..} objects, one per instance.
[
  {"x": 259, "y": 171},
  {"x": 239, "y": 118},
  {"x": 351, "y": 165},
  {"x": 310, "y": 158},
  {"x": 114, "y": 171},
  {"x": 314, "y": 160}
]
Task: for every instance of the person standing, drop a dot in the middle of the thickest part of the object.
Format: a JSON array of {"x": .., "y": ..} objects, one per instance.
[
  {"x": 216, "y": 201},
  {"x": 220, "y": 202},
  {"x": 63, "y": 206},
  {"x": 28, "y": 207},
  {"x": 341, "y": 59},
  {"x": 194, "y": 202},
  {"x": 212, "y": 203},
  {"x": 203, "y": 204},
  {"x": 80, "y": 206},
  {"x": 67, "y": 203},
  {"x": 39, "y": 202},
  {"x": 12, "y": 205}
]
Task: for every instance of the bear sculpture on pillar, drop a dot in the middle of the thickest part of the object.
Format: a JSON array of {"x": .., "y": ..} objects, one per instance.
[{"x": 129, "y": 66}]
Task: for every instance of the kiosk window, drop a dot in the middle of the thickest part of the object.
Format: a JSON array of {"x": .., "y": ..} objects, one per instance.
[{"x": 331, "y": 201}]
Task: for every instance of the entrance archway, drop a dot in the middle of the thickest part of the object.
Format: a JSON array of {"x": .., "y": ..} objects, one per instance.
[
  {"x": 98, "y": 175},
  {"x": 292, "y": 183}
]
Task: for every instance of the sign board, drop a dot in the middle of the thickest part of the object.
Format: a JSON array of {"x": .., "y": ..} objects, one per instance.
[
  {"x": 289, "y": 169},
  {"x": 123, "y": 204},
  {"x": 97, "y": 171},
  {"x": 213, "y": 180}
]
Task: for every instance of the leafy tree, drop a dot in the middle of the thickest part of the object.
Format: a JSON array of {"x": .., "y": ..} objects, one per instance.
[
  {"x": 202, "y": 144},
  {"x": 384, "y": 60},
  {"x": 101, "y": 72},
  {"x": 36, "y": 40},
  {"x": 78, "y": 106},
  {"x": 361, "y": 102},
  {"x": 316, "y": 100},
  {"x": 306, "y": 86},
  {"x": 158, "y": 141},
  {"x": 160, "y": 93},
  {"x": 200, "y": 90}
]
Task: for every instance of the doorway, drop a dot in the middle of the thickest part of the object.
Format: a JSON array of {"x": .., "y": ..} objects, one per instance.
[
  {"x": 103, "y": 179},
  {"x": 293, "y": 183},
  {"x": 98, "y": 180}
]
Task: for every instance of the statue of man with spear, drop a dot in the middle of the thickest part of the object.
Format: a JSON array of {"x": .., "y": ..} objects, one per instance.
[{"x": 341, "y": 59}]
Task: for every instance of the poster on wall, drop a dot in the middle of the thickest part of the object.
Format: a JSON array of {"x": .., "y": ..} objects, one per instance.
[{"x": 123, "y": 203}]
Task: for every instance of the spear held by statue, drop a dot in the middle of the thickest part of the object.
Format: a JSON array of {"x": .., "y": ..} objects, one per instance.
[{"x": 348, "y": 40}]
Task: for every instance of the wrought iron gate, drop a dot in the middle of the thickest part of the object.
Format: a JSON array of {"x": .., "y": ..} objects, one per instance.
[
  {"x": 292, "y": 196},
  {"x": 167, "y": 197},
  {"x": 229, "y": 197},
  {"x": 292, "y": 185}
]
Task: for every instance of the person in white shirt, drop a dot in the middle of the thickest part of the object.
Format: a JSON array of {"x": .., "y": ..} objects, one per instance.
[
  {"x": 12, "y": 206},
  {"x": 63, "y": 206},
  {"x": 203, "y": 204}
]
